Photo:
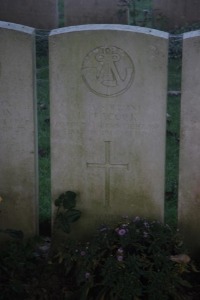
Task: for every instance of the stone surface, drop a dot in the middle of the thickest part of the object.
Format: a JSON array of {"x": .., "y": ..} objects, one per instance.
[
  {"x": 108, "y": 120},
  {"x": 18, "y": 151},
  {"x": 42, "y": 14},
  {"x": 189, "y": 187},
  {"x": 171, "y": 14},
  {"x": 79, "y": 12}
]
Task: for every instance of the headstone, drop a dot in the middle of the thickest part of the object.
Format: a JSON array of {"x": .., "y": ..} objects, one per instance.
[
  {"x": 108, "y": 115},
  {"x": 189, "y": 187},
  {"x": 18, "y": 150},
  {"x": 172, "y": 14},
  {"x": 79, "y": 12},
  {"x": 42, "y": 14}
]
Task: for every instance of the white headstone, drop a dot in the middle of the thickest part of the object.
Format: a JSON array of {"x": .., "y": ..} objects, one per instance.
[
  {"x": 108, "y": 115},
  {"x": 18, "y": 150},
  {"x": 189, "y": 183}
]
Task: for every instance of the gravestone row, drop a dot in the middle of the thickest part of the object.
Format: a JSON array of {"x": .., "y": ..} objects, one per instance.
[{"x": 108, "y": 87}]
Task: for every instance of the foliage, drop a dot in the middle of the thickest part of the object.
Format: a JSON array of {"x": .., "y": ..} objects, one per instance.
[
  {"x": 66, "y": 212},
  {"x": 26, "y": 274},
  {"x": 16, "y": 263},
  {"x": 130, "y": 261}
]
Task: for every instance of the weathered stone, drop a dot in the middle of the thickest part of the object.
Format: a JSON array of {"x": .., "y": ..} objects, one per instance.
[
  {"x": 18, "y": 153},
  {"x": 108, "y": 120},
  {"x": 42, "y": 14},
  {"x": 79, "y": 12},
  {"x": 189, "y": 187}
]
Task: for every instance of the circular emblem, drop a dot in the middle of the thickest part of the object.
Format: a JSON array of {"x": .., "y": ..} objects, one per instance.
[{"x": 108, "y": 71}]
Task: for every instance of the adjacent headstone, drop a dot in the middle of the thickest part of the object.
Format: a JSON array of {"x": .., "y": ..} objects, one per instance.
[
  {"x": 189, "y": 183},
  {"x": 18, "y": 143},
  {"x": 170, "y": 14},
  {"x": 78, "y": 12},
  {"x": 108, "y": 116},
  {"x": 42, "y": 14}
]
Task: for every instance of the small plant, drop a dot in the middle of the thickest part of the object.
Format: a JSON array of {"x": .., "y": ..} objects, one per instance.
[
  {"x": 137, "y": 259},
  {"x": 66, "y": 212}
]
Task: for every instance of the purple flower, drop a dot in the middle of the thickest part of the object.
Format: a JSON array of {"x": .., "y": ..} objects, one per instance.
[
  {"x": 83, "y": 253},
  {"x": 120, "y": 250},
  {"x": 145, "y": 234},
  {"x": 121, "y": 232},
  {"x": 120, "y": 258}
]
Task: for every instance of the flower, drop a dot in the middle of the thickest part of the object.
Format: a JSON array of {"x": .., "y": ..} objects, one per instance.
[
  {"x": 120, "y": 250},
  {"x": 146, "y": 224},
  {"x": 87, "y": 275},
  {"x": 120, "y": 258},
  {"x": 136, "y": 219},
  {"x": 83, "y": 253},
  {"x": 121, "y": 231}
]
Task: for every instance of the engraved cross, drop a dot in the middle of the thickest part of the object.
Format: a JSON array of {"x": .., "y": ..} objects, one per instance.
[{"x": 107, "y": 166}]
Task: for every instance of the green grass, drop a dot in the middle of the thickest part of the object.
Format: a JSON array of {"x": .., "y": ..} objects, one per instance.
[
  {"x": 61, "y": 12},
  {"x": 43, "y": 127},
  {"x": 140, "y": 13},
  {"x": 172, "y": 142}
]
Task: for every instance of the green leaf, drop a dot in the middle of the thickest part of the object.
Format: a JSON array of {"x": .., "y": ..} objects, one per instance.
[
  {"x": 72, "y": 215},
  {"x": 63, "y": 223},
  {"x": 58, "y": 201},
  {"x": 69, "y": 200}
]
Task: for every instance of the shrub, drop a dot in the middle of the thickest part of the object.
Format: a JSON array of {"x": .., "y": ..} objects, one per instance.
[{"x": 137, "y": 259}]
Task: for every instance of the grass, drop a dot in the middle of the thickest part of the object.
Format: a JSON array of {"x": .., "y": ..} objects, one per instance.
[
  {"x": 172, "y": 142},
  {"x": 43, "y": 126}
]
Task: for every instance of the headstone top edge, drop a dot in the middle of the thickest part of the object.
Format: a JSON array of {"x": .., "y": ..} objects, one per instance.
[
  {"x": 115, "y": 27},
  {"x": 16, "y": 27},
  {"x": 191, "y": 34}
]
